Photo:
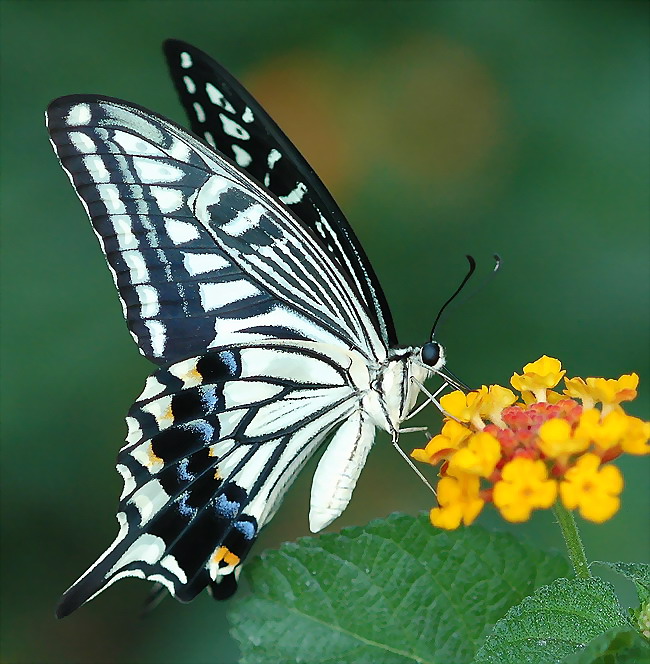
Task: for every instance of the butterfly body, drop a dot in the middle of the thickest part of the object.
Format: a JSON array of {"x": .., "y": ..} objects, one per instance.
[{"x": 265, "y": 318}]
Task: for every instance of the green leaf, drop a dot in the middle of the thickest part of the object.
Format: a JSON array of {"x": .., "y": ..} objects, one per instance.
[
  {"x": 394, "y": 591},
  {"x": 639, "y": 573},
  {"x": 556, "y": 621},
  {"x": 615, "y": 646}
]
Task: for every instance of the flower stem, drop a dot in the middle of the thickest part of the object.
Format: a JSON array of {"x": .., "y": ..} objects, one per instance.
[{"x": 572, "y": 540}]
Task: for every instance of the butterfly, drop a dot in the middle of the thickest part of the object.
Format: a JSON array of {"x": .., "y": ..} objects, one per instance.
[{"x": 241, "y": 279}]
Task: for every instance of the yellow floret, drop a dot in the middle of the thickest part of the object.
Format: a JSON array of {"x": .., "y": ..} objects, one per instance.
[
  {"x": 637, "y": 436},
  {"x": 539, "y": 376},
  {"x": 524, "y": 486},
  {"x": 593, "y": 489},
  {"x": 479, "y": 457},
  {"x": 557, "y": 440},
  {"x": 459, "y": 501}
]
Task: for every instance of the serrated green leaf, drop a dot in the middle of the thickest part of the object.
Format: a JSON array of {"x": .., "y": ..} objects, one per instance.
[
  {"x": 556, "y": 621},
  {"x": 639, "y": 573},
  {"x": 392, "y": 592},
  {"x": 615, "y": 646}
]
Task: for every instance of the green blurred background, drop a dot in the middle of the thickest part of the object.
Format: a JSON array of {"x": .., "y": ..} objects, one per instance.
[{"x": 442, "y": 128}]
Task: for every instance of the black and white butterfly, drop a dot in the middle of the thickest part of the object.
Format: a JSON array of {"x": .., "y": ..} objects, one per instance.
[{"x": 240, "y": 277}]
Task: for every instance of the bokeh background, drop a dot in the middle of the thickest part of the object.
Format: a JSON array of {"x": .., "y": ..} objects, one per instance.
[{"x": 442, "y": 128}]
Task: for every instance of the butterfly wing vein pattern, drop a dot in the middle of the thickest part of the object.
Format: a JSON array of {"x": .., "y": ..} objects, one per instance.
[
  {"x": 211, "y": 449},
  {"x": 227, "y": 116},
  {"x": 259, "y": 306},
  {"x": 199, "y": 253}
]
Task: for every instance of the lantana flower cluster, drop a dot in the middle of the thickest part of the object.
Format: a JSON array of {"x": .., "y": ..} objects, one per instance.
[{"x": 524, "y": 452}]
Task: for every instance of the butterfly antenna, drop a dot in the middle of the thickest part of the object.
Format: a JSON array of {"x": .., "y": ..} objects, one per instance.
[
  {"x": 489, "y": 277},
  {"x": 452, "y": 380},
  {"x": 470, "y": 272}
]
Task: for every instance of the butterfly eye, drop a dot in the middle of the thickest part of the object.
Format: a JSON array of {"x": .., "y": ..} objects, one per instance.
[{"x": 431, "y": 353}]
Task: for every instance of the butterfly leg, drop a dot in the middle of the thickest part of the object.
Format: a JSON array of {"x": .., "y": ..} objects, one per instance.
[
  {"x": 412, "y": 429},
  {"x": 403, "y": 454},
  {"x": 431, "y": 399}
]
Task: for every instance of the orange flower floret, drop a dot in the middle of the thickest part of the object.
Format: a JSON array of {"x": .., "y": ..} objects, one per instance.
[
  {"x": 611, "y": 392},
  {"x": 593, "y": 489},
  {"x": 608, "y": 391},
  {"x": 524, "y": 486},
  {"x": 459, "y": 501}
]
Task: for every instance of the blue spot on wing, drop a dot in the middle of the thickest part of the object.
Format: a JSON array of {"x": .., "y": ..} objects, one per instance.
[
  {"x": 246, "y": 528},
  {"x": 183, "y": 473},
  {"x": 226, "y": 508},
  {"x": 230, "y": 361}
]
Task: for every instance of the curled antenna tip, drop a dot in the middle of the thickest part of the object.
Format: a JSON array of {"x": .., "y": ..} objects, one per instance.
[{"x": 470, "y": 272}]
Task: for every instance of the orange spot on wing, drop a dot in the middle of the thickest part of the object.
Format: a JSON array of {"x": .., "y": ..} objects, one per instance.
[
  {"x": 223, "y": 553},
  {"x": 152, "y": 458},
  {"x": 230, "y": 558},
  {"x": 167, "y": 416},
  {"x": 193, "y": 376}
]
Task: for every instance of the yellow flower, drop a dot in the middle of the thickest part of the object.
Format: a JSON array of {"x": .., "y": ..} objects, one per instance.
[
  {"x": 523, "y": 487},
  {"x": 611, "y": 391},
  {"x": 539, "y": 376},
  {"x": 455, "y": 404},
  {"x": 496, "y": 400},
  {"x": 523, "y": 453},
  {"x": 594, "y": 490},
  {"x": 459, "y": 501},
  {"x": 576, "y": 388},
  {"x": 479, "y": 457},
  {"x": 557, "y": 440},
  {"x": 604, "y": 432},
  {"x": 637, "y": 437},
  {"x": 440, "y": 446},
  {"x": 465, "y": 407}
]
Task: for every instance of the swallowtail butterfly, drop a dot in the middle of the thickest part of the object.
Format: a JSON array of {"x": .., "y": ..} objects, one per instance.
[{"x": 241, "y": 278}]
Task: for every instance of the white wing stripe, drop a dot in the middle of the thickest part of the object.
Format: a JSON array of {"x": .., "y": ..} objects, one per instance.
[{"x": 173, "y": 186}]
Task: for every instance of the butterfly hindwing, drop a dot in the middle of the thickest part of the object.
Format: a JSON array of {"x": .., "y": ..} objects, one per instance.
[
  {"x": 227, "y": 116},
  {"x": 201, "y": 254},
  {"x": 213, "y": 443}
]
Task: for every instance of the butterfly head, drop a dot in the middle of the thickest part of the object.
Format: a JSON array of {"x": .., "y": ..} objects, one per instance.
[
  {"x": 432, "y": 355},
  {"x": 432, "y": 358}
]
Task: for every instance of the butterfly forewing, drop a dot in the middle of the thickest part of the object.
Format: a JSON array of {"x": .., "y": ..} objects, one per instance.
[
  {"x": 225, "y": 114},
  {"x": 266, "y": 345},
  {"x": 201, "y": 255}
]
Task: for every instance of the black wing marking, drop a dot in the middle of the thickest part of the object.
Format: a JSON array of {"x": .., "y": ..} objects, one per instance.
[
  {"x": 201, "y": 255},
  {"x": 214, "y": 442},
  {"x": 225, "y": 114}
]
